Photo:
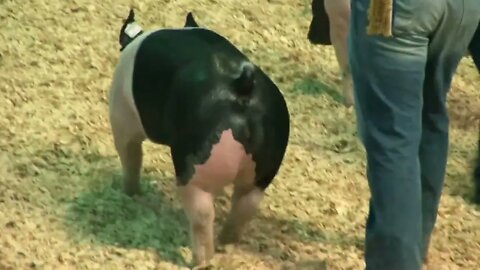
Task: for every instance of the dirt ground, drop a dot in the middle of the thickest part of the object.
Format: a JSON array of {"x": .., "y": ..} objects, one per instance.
[{"x": 61, "y": 206}]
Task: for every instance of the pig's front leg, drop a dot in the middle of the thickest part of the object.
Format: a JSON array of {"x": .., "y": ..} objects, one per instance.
[
  {"x": 128, "y": 133},
  {"x": 128, "y": 143},
  {"x": 245, "y": 203},
  {"x": 198, "y": 206},
  {"x": 131, "y": 158}
]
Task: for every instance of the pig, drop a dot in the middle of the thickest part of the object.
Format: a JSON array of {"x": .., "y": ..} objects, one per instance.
[{"x": 224, "y": 120}]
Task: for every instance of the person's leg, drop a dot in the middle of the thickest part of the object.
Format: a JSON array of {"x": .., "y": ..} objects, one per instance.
[
  {"x": 476, "y": 173},
  {"x": 474, "y": 48},
  {"x": 338, "y": 12},
  {"x": 447, "y": 47},
  {"x": 388, "y": 75}
]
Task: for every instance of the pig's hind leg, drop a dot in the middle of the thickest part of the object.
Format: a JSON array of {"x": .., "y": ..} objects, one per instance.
[
  {"x": 200, "y": 211},
  {"x": 245, "y": 202}
]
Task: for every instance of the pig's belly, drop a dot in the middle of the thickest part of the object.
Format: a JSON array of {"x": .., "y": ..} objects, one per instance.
[{"x": 228, "y": 163}]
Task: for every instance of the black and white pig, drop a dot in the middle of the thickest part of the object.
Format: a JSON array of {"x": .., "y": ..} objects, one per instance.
[{"x": 223, "y": 118}]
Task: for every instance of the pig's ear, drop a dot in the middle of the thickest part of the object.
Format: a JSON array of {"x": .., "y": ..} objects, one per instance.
[
  {"x": 131, "y": 16},
  {"x": 129, "y": 31},
  {"x": 190, "y": 21}
]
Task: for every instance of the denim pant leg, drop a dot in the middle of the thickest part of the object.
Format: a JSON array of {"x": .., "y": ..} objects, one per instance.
[
  {"x": 447, "y": 46},
  {"x": 388, "y": 76}
]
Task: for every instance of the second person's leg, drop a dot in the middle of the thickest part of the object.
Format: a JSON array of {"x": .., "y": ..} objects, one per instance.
[
  {"x": 338, "y": 12},
  {"x": 447, "y": 47}
]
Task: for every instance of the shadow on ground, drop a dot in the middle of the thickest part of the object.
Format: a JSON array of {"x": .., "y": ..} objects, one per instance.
[
  {"x": 148, "y": 221},
  {"x": 314, "y": 87},
  {"x": 460, "y": 172},
  {"x": 266, "y": 232},
  {"x": 151, "y": 221},
  {"x": 462, "y": 184}
]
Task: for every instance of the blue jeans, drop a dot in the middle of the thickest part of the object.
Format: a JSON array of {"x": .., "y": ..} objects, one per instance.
[{"x": 400, "y": 86}]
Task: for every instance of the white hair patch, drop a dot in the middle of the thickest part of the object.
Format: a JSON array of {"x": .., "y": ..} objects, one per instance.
[{"x": 132, "y": 29}]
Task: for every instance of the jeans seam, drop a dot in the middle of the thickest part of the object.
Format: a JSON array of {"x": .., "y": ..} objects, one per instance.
[{"x": 462, "y": 18}]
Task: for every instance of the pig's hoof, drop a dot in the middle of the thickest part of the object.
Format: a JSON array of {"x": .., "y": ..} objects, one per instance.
[
  {"x": 131, "y": 191},
  {"x": 205, "y": 266},
  {"x": 476, "y": 199},
  {"x": 228, "y": 237},
  {"x": 226, "y": 249},
  {"x": 348, "y": 103},
  {"x": 348, "y": 100},
  {"x": 131, "y": 187}
]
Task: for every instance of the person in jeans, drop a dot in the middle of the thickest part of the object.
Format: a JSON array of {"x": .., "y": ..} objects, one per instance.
[{"x": 400, "y": 86}]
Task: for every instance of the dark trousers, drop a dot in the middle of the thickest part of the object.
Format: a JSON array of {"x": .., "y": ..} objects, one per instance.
[
  {"x": 401, "y": 85},
  {"x": 474, "y": 48}
]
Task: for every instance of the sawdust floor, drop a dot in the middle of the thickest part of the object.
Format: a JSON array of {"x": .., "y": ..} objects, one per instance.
[{"x": 61, "y": 206}]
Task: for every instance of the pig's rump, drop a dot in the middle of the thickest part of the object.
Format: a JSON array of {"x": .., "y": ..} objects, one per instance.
[{"x": 227, "y": 163}]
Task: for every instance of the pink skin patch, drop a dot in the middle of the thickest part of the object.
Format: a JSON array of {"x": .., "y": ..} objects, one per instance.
[{"x": 228, "y": 163}]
